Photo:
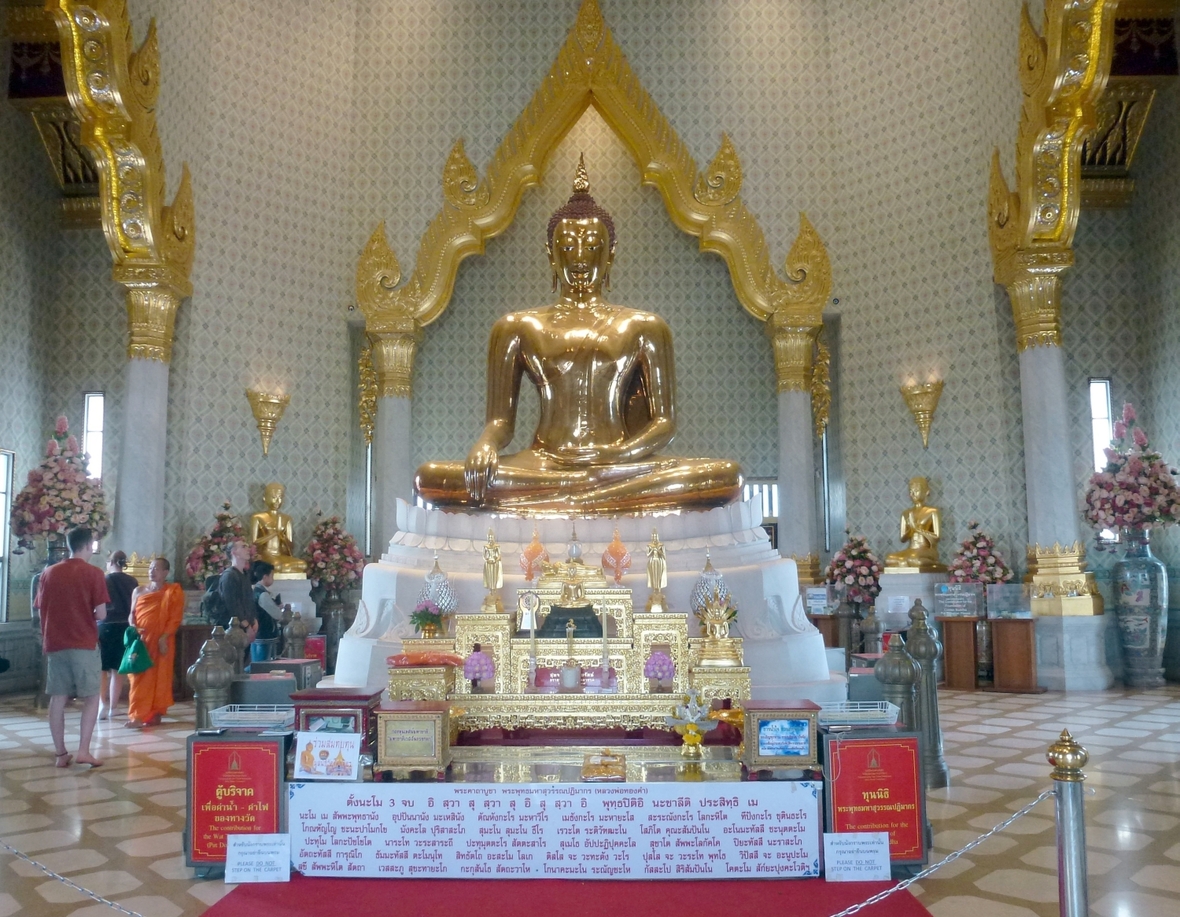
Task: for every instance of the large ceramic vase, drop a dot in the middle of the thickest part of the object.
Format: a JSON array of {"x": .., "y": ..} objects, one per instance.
[{"x": 1140, "y": 584}]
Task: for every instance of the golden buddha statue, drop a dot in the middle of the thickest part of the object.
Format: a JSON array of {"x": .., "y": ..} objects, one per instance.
[
  {"x": 921, "y": 527},
  {"x": 605, "y": 379},
  {"x": 272, "y": 536}
]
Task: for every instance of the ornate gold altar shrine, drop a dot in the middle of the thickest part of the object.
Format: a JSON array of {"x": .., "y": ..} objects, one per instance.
[{"x": 710, "y": 664}]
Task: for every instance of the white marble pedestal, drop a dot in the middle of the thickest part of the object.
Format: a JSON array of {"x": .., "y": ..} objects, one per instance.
[
  {"x": 898, "y": 591},
  {"x": 1074, "y": 652}
]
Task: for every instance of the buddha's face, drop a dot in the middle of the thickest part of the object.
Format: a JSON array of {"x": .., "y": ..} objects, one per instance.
[
  {"x": 581, "y": 256},
  {"x": 274, "y": 496},
  {"x": 919, "y": 490}
]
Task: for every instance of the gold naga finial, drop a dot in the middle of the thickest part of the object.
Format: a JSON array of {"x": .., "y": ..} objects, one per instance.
[{"x": 581, "y": 176}]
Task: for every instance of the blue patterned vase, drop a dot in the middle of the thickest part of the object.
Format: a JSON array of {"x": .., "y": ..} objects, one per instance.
[{"x": 1140, "y": 583}]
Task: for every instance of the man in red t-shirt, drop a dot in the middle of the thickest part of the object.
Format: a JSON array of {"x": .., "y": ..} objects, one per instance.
[{"x": 72, "y": 598}]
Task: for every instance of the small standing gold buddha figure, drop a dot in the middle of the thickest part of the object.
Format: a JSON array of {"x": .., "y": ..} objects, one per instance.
[
  {"x": 605, "y": 378},
  {"x": 272, "y": 535},
  {"x": 921, "y": 528}
]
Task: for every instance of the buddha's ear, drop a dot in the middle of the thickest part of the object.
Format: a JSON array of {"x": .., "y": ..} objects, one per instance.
[{"x": 552, "y": 266}]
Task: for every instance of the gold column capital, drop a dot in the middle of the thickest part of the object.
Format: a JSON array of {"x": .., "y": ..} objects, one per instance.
[
  {"x": 393, "y": 361},
  {"x": 794, "y": 346},
  {"x": 1063, "y": 71},
  {"x": 1033, "y": 281},
  {"x": 151, "y": 321}
]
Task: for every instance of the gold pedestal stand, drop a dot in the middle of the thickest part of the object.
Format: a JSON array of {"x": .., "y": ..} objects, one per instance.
[{"x": 1061, "y": 584}]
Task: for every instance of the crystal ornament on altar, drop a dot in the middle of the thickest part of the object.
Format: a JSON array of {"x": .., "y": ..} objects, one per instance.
[
  {"x": 438, "y": 591},
  {"x": 616, "y": 559},
  {"x": 710, "y": 585}
]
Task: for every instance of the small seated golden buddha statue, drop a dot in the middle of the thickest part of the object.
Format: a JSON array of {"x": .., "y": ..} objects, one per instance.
[
  {"x": 921, "y": 528},
  {"x": 605, "y": 379},
  {"x": 272, "y": 535}
]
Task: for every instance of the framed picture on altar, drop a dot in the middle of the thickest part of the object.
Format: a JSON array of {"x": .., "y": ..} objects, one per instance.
[{"x": 780, "y": 735}]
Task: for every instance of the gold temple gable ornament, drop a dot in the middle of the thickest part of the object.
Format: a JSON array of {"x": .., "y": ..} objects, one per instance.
[
  {"x": 922, "y": 400},
  {"x": 113, "y": 91},
  {"x": 1063, "y": 72},
  {"x": 590, "y": 69},
  {"x": 268, "y": 411}
]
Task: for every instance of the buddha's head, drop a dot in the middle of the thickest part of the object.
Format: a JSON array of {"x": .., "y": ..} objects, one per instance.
[
  {"x": 919, "y": 490},
  {"x": 581, "y": 242},
  {"x": 274, "y": 496}
]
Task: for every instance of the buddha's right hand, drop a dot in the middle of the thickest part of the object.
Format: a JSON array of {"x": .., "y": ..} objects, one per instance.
[{"x": 481, "y": 466}]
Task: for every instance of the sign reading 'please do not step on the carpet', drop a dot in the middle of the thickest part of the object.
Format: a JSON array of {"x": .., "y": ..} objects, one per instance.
[{"x": 583, "y": 831}]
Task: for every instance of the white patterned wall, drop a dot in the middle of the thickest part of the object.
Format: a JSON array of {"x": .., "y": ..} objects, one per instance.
[
  {"x": 28, "y": 234},
  {"x": 1156, "y": 220},
  {"x": 305, "y": 124},
  {"x": 921, "y": 96}
]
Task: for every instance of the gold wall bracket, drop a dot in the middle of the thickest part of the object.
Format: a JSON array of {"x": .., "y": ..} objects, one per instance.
[
  {"x": 590, "y": 69},
  {"x": 922, "y": 400},
  {"x": 268, "y": 411}
]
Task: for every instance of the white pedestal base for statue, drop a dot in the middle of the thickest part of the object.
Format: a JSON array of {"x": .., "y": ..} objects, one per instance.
[
  {"x": 297, "y": 593},
  {"x": 1073, "y": 652},
  {"x": 360, "y": 662},
  {"x": 898, "y": 591},
  {"x": 788, "y": 650},
  {"x": 794, "y": 667}
]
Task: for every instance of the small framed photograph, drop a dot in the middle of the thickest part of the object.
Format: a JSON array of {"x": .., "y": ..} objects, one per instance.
[{"x": 778, "y": 736}]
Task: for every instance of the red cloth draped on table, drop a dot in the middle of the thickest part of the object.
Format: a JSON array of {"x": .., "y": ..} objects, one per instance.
[{"x": 156, "y": 614}]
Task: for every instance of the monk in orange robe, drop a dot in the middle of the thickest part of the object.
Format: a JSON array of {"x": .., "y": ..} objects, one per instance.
[{"x": 156, "y": 612}]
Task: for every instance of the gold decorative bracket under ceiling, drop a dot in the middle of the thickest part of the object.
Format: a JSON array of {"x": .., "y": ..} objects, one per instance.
[
  {"x": 1144, "y": 59},
  {"x": 36, "y": 85}
]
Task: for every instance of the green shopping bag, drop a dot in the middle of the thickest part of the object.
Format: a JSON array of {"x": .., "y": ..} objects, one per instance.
[{"x": 136, "y": 658}]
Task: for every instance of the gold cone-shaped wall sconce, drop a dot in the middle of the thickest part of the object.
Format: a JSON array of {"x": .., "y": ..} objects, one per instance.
[
  {"x": 268, "y": 411},
  {"x": 922, "y": 400}
]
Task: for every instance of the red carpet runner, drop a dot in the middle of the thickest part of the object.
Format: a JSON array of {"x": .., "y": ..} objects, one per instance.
[{"x": 511, "y": 898}]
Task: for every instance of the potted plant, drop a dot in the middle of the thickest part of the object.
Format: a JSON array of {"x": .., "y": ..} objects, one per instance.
[
  {"x": 59, "y": 495},
  {"x": 1133, "y": 494},
  {"x": 210, "y": 555},
  {"x": 428, "y": 620},
  {"x": 334, "y": 562},
  {"x": 978, "y": 561}
]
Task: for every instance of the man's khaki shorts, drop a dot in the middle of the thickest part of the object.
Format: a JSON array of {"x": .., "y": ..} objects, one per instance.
[{"x": 73, "y": 673}]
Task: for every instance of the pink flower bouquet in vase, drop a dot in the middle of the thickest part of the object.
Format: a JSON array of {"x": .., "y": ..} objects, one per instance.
[
  {"x": 1135, "y": 493},
  {"x": 59, "y": 495}
]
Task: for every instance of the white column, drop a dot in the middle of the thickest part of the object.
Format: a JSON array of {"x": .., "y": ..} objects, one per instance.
[
  {"x": 1048, "y": 459},
  {"x": 797, "y": 533},
  {"x": 393, "y": 468},
  {"x": 139, "y": 499}
]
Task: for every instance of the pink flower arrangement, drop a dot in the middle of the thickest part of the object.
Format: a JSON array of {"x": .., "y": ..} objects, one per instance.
[
  {"x": 211, "y": 554},
  {"x": 659, "y": 665},
  {"x": 978, "y": 561},
  {"x": 1136, "y": 489},
  {"x": 59, "y": 495},
  {"x": 333, "y": 558},
  {"x": 478, "y": 666},
  {"x": 855, "y": 571}
]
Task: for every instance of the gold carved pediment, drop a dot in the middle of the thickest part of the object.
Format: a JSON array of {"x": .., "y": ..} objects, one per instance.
[{"x": 591, "y": 69}]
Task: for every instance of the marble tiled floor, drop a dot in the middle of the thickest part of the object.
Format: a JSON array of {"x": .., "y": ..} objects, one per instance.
[{"x": 116, "y": 829}]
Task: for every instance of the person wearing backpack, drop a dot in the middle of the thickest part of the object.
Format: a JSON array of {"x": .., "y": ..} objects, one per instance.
[{"x": 268, "y": 610}]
